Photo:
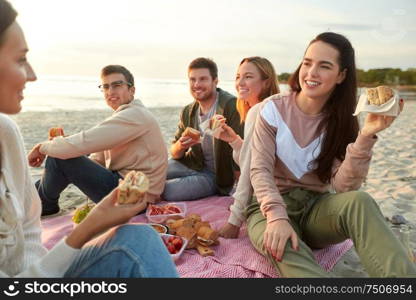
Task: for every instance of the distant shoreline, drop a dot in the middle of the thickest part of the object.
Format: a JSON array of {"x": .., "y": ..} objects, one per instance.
[{"x": 402, "y": 88}]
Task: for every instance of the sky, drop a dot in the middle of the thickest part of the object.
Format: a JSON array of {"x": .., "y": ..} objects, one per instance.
[{"x": 158, "y": 38}]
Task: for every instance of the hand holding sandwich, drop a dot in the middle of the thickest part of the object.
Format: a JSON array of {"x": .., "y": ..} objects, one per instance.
[
  {"x": 105, "y": 215},
  {"x": 375, "y": 123},
  {"x": 228, "y": 134},
  {"x": 189, "y": 138}
]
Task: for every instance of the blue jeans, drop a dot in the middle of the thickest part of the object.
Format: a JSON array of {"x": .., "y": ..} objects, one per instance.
[
  {"x": 91, "y": 178},
  {"x": 184, "y": 184},
  {"x": 128, "y": 251}
]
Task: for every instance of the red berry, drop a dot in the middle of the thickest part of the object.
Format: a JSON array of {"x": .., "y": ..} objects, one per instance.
[
  {"x": 171, "y": 249},
  {"x": 177, "y": 242}
]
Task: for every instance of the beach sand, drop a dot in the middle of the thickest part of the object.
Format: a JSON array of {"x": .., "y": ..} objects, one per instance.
[{"x": 391, "y": 179}]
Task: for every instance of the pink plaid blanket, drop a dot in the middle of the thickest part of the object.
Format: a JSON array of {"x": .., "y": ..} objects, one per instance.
[{"x": 234, "y": 258}]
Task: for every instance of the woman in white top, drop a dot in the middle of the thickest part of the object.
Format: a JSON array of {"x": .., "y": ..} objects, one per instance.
[
  {"x": 255, "y": 80},
  {"x": 126, "y": 251}
]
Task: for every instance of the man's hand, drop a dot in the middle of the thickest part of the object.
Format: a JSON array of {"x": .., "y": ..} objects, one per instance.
[
  {"x": 36, "y": 158},
  {"x": 181, "y": 146}
]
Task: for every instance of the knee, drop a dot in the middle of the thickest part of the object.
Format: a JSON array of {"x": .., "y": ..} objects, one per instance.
[
  {"x": 361, "y": 200},
  {"x": 51, "y": 162},
  {"x": 54, "y": 163},
  {"x": 169, "y": 193}
]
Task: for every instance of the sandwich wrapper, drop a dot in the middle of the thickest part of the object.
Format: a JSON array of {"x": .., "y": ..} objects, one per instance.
[{"x": 390, "y": 108}]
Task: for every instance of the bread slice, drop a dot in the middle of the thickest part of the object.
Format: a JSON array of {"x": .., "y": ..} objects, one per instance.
[
  {"x": 384, "y": 94},
  {"x": 216, "y": 121},
  {"x": 192, "y": 133},
  {"x": 372, "y": 96},
  {"x": 133, "y": 188},
  {"x": 379, "y": 95}
]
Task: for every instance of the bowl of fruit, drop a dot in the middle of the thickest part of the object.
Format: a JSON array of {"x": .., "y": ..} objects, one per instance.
[
  {"x": 159, "y": 213},
  {"x": 175, "y": 244}
]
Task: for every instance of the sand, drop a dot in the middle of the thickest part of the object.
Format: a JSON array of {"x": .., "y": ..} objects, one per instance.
[{"x": 391, "y": 179}]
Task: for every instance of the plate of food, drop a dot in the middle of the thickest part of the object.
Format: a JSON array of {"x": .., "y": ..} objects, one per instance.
[
  {"x": 175, "y": 244},
  {"x": 159, "y": 213}
]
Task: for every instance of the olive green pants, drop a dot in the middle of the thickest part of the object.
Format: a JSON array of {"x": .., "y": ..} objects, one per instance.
[{"x": 324, "y": 219}]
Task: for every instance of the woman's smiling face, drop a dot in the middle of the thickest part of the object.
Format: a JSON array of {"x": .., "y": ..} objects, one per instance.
[
  {"x": 15, "y": 70},
  {"x": 320, "y": 71}
]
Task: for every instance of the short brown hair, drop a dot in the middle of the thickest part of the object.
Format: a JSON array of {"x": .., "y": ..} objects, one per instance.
[
  {"x": 204, "y": 63},
  {"x": 111, "y": 69}
]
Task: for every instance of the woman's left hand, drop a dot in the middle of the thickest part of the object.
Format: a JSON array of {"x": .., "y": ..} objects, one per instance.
[{"x": 375, "y": 123}]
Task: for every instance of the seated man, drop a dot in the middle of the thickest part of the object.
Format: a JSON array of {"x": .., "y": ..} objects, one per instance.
[
  {"x": 205, "y": 167},
  {"x": 130, "y": 139}
]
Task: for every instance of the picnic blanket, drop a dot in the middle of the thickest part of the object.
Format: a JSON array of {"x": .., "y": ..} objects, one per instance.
[{"x": 234, "y": 258}]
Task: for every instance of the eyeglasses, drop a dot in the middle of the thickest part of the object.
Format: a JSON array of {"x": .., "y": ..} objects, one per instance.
[{"x": 114, "y": 85}]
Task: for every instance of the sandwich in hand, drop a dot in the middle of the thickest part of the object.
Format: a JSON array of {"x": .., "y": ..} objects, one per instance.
[
  {"x": 55, "y": 131},
  {"x": 216, "y": 122},
  {"x": 192, "y": 133},
  {"x": 133, "y": 188},
  {"x": 379, "y": 95}
]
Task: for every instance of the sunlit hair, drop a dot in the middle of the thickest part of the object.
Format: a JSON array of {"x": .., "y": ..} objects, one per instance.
[
  {"x": 204, "y": 63},
  {"x": 268, "y": 75},
  {"x": 338, "y": 123},
  {"x": 111, "y": 69},
  {"x": 7, "y": 17}
]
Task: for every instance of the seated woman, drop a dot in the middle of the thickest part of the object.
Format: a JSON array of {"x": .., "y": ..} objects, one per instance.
[
  {"x": 126, "y": 251},
  {"x": 256, "y": 80},
  {"x": 307, "y": 143}
]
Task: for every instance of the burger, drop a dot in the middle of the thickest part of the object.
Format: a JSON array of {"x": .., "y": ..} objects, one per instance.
[{"x": 192, "y": 133}]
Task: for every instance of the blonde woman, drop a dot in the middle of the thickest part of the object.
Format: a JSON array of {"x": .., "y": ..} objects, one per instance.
[{"x": 255, "y": 80}]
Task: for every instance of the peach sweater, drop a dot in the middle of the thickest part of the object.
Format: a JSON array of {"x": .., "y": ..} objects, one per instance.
[{"x": 284, "y": 144}]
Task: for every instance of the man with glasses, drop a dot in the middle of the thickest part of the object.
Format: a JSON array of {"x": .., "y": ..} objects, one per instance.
[{"x": 130, "y": 139}]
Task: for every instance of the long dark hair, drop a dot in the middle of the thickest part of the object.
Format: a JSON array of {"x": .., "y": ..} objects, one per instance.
[
  {"x": 7, "y": 17},
  {"x": 338, "y": 123}
]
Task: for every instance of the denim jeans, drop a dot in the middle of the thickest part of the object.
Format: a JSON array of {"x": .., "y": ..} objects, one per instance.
[
  {"x": 128, "y": 251},
  {"x": 184, "y": 184},
  {"x": 91, "y": 178}
]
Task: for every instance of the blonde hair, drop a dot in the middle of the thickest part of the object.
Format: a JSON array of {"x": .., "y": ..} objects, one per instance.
[{"x": 267, "y": 74}]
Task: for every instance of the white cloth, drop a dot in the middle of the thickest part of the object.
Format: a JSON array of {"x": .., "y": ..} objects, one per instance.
[{"x": 21, "y": 250}]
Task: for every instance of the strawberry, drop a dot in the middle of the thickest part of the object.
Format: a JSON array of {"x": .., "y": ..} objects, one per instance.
[
  {"x": 177, "y": 242},
  {"x": 171, "y": 249}
]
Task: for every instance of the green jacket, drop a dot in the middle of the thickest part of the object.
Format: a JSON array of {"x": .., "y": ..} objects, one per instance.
[{"x": 224, "y": 164}]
